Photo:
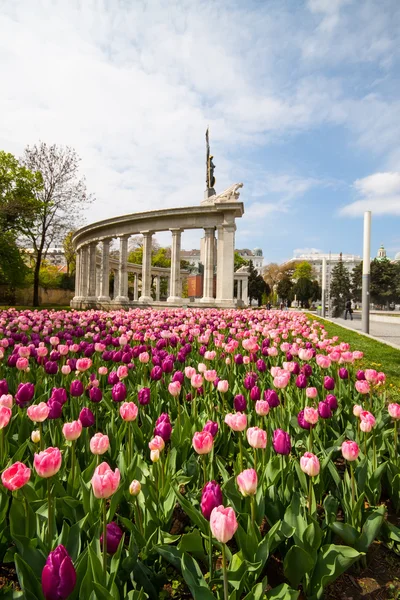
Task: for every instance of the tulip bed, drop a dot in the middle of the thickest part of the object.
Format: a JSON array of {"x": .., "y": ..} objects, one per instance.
[{"x": 198, "y": 445}]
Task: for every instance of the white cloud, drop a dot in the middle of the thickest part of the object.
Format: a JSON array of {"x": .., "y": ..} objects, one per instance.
[
  {"x": 297, "y": 251},
  {"x": 379, "y": 193}
]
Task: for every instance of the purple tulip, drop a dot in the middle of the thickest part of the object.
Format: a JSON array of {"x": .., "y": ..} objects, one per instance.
[
  {"x": 360, "y": 376},
  {"x": 343, "y": 373},
  {"x": 289, "y": 356},
  {"x": 95, "y": 394},
  {"x": 113, "y": 378},
  {"x": 238, "y": 359},
  {"x": 239, "y": 402},
  {"x": 86, "y": 417},
  {"x": 301, "y": 381},
  {"x": 255, "y": 393},
  {"x": 302, "y": 422},
  {"x": 167, "y": 365},
  {"x": 261, "y": 366},
  {"x": 178, "y": 376},
  {"x": 331, "y": 401},
  {"x": 211, "y": 497},
  {"x": 156, "y": 373},
  {"x": 55, "y": 408},
  {"x": 296, "y": 368},
  {"x": 3, "y": 387},
  {"x": 24, "y": 395},
  {"x": 281, "y": 442},
  {"x": 144, "y": 396},
  {"x": 329, "y": 383},
  {"x": 118, "y": 392},
  {"x": 211, "y": 427},
  {"x": 76, "y": 388},
  {"x": 272, "y": 398},
  {"x": 324, "y": 410},
  {"x": 250, "y": 381},
  {"x": 164, "y": 430},
  {"x": 58, "y": 575},
  {"x": 306, "y": 370},
  {"x": 59, "y": 394},
  {"x": 114, "y": 536}
]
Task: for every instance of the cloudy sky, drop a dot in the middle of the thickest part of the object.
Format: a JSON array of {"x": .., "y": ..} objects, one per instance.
[{"x": 302, "y": 100}]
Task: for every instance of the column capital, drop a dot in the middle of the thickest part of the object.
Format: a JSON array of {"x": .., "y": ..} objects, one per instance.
[
  {"x": 147, "y": 233},
  {"x": 209, "y": 230}
]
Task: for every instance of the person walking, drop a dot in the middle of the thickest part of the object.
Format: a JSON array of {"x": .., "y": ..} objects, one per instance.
[{"x": 348, "y": 310}]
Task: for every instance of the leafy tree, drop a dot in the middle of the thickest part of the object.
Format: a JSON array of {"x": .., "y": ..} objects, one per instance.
[
  {"x": 383, "y": 281},
  {"x": 356, "y": 282},
  {"x": 272, "y": 274},
  {"x": 18, "y": 203},
  {"x": 257, "y": 285},
  {"x": 340, "y": 288},
  {"x": 69, "y": 253},
  {"x": 239, "y": 261},
  {"x": 63, "y": 198},
  {"x": 303, "y": 290},
  {"x": 302, "y": 270},
  {"x": 285, "y": 289},
  {"x": 316, "y": 291}
]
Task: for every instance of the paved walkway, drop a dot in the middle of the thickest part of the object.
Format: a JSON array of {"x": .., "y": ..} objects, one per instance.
[{"x": 387, "y": 332}]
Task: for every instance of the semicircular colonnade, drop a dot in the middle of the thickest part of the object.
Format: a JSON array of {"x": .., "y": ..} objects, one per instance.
[{"x": 217, "y": 213}]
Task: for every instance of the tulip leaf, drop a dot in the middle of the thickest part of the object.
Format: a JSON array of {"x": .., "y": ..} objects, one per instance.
[
  {"x": 144, "y": 577},
  {"x": 294, "y": 517},
  {"x": 345, "y": 531},
  {"x": 282, "y": 592},
  {"x": 194, "y": 514},
  {"x": 297, "y": 563},
  {"x": 257, "y": 593},
  {"x": 370, "y": 529},
  {"x": 194, "y": 578},
  {"x": 192, "y": 542},
  {"x": 27, "y": 580},
  {"x": 332, "y": 561},
  {"x": 136, "y": 595},
  {"x": 102, "y": 593}
]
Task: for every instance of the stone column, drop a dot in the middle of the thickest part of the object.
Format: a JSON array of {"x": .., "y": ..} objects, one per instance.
[
  {"x": 135, "y": 286},
  {"x": 175, "y": 267},
  {"x": 105, "y": 272},
  {"x": 78, "y": 274},
  {"x": 146, "y": 268},
  {"x": 208, "y": 277},
  {"x": 123, "y": 271},
  {"x": 245, "y": 290},
  {"x": 98, "y": 280},
  {"x": 83, "y": 288},
  {"x": 225, "y": 263},
  {"x": 92, "y": 272},
  {"x": 158, "y": 286},
  {"x": 116, "y": 284}
]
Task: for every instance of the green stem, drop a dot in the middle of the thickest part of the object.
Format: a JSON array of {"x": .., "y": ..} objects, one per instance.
[
  {"x": 255, "y": 459},
  {"x": 210, "y": 557},
  {"x": 240, "y": 451},
  {"x": 1, "y": 446},
  {"x": 105, "y": 541},
  {"x": 41, "y": 436},
  {"x": 26, "y": 513},
  {"x": 205, "y": 468},
  {"x": 374, "y": 450},
  {"x": 225, "y": 571},
  {"x": 282, "y": 473},
  {"x": 49, "y": 514},
  {"x": 310, "y": 439},
  {"x": 310, "y": 487},
  {"x": 253, "y": 509},
  {"x": 139, "y": 516},
  {"x": 365, "y": 443},
  {"x": 395, "y": 442},
  {"x": 129, "y": 443},
  {"x": 73, "y": 463},
  {"x": 353, "y": 490}
]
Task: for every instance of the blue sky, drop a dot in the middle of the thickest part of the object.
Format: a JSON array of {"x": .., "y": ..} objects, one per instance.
[{"x": 302, "y": 99}]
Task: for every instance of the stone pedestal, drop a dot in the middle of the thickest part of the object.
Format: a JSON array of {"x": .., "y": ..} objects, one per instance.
[
  {"x": 225, "y": 263},
  {"x": 208, "y": 277}
]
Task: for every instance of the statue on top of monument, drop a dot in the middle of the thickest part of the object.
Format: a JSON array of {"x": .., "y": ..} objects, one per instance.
[{"x": 210, "y": 179}]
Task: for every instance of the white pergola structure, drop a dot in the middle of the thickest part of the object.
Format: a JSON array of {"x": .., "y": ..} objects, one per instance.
[{"x": 215, "y": 214}]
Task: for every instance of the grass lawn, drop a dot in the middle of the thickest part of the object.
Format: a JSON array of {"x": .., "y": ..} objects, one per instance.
[{"x": 377, "y": 355}]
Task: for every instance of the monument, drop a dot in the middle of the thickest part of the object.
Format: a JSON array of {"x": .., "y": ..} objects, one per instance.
[{"x": 216, "y": 213}]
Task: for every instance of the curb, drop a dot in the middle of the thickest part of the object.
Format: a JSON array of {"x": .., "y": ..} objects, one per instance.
[{"x": 367, "y": 335}]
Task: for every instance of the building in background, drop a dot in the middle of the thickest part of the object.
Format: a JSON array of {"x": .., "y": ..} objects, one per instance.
[
  {"x": 315, "y": 259},
  {"x": 195, "y": 256}
]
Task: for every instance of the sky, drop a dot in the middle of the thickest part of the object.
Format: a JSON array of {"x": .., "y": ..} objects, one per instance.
[{"x": 302, "y": 98}]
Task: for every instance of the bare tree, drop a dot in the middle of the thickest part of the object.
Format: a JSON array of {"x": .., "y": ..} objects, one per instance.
[{"x": 63, "y": 197}]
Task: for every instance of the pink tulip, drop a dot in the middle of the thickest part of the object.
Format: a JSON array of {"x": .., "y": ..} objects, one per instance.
[
  {"x": 72, "y": 431},
  {"x": 48, "y": 462},
  {"x": 105, "y": 481},
  {"x": 223, "y": 523},
  {"x": 201, "y": 367},
  {"x": 174, "y": 388},
  {"x": 394, "y": 410},
  {"x": 357, "y": 410},
  {"x": 157, "y": 443},
  {"x": 223, "y": 386},
  {"x": 210, "y": 375},
  {"x": 6, "y": 400},
  {"x": 35, "y": 436},
  {"x": 310, "y": 415},
  {"x": 262, "y": 408},
  {"x": 22, "y": 364},
  {"x": 362, "y": 387},
  {"x": 371, "y": 376},
  {"x": 196, "y": 380},
  {"x": 247, "y": 482},
  {"x": 281, "y": 381},
  {"x": 154, "y": 455},
  {"x": 350, "y": 450},
  {"x": 324, "y": 362},
  {"x": 144, "y": 357},
  {"x": 135, "y": 487},
  {"x": 309, "y": 464},
  {"x": 99, "y": 443},
  {"x": 65, "y": 369},
  {"x": 102, "y": 370},
  {"x": 15, "y": 476},
  {"x": 122, "y": 371},
  {"x": 5, "y": 416},
  {"x": 311, "y": 392},
  {"x": 189, "y": 372},
  {"x": 38, "y": 412},
  {"x": 42, "y": 351},
  {"x": 63, "y": 349},
  {"x": 128, "y": 411},
  {"x": 236, "y": 421},
  {"x": 202, "y": 442},
  {"x": 246, "y": 360},
  {"x": 256, "y": 437},
  {"x": 83, "y": 364},
  {"x": 368, "y": 421}
]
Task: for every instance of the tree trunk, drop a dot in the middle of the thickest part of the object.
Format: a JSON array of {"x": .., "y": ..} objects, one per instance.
[{"x": 36, "y": 278}]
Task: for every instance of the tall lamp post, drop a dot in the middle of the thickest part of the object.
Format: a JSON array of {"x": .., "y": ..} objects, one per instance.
[{"x": 366, "y": 274}]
